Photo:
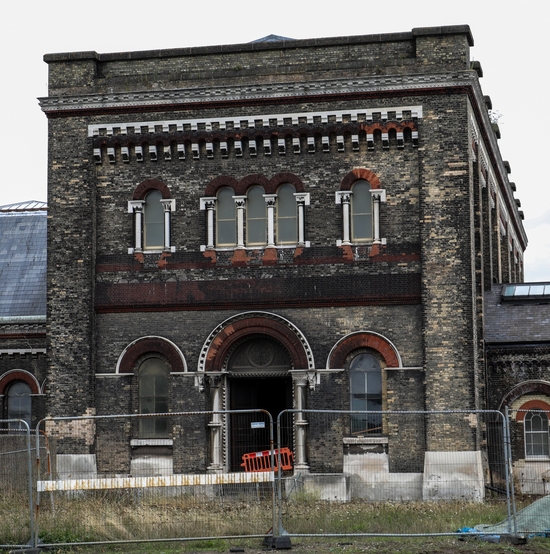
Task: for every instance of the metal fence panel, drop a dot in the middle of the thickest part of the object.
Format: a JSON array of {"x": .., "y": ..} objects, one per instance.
[
  {"x": 16, "y": 484},
  {"x": 139, "y": 485},
  {"x": 202, "y": 475},
  {"x": 530, "y": 460},
  {"x": 353, "y": 468}
]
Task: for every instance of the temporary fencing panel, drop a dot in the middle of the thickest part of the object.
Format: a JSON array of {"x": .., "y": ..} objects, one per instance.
[
  {"x": 530, "y": 456},
  {"x": 177, "y": 485},
  {"x": 352, "y": 473},
  {"x": 16, "y": 483},
  {"x": 204, "y": 475}
]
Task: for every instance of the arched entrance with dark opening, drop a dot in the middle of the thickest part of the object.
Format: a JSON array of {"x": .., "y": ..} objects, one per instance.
[
  {"x": 258, "y": 379},
  {"x": 254, "y": 360}
]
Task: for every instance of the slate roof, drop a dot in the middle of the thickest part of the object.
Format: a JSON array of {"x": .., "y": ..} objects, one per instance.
[
  {"x": 23, "y": 260},
  {"x": 272, "y": 38},
  {"x": 523, "y": 321}
]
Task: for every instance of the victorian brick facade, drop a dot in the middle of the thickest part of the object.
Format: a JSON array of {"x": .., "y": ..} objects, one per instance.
[{"x": 274, "y": 216}]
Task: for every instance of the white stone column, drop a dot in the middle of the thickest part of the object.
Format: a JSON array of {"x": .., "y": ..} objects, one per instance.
[
  {"x": 168, "y": 206},
  {"x": 344, "y": 197},
  {"x": 216, "y": 425},
  {"x": 378, "y": 195},
  {"x": 300, "y": 384},
  {"x": 135, "y": 207},
  {"x": 210, "y": 209},
  {"x": 302, "y": 200},
  {"x": 209, "y": 204},
  {"x": 270, "y": 203},
  {"x": 376, "y": 218},
  {"x": 240, "y": 203}
]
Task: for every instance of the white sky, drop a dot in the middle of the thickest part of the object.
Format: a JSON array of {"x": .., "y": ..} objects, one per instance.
[{"x": 510, "y": 42}]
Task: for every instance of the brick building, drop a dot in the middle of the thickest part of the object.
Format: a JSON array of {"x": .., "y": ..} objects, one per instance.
[
  {"x": 305, "y": 224},
  {"x": 517, "y": 342},
  {"x": 23, "y": 365}
]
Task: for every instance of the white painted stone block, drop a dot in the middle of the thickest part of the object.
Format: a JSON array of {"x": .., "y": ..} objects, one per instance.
[{"x": 453, "y": 476}]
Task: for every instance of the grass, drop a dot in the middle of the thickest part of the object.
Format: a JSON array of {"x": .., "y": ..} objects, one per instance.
[{"x": 132, "y": 515}]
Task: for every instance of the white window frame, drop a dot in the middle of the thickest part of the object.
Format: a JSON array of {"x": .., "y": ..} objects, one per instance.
[
  {"x": 343, "y": 198},
  {"x": 135, "y": 207},
  {"x": 546, "y": 455},
  {"x": 208, "y": 203}
]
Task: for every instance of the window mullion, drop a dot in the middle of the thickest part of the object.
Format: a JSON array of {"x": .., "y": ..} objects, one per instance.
[
  {"x": 240, "y": 204},
  {"x": 270, "y": 204}
]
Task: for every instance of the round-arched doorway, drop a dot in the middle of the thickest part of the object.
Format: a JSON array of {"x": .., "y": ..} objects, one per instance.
[{"x": 258, "y": 379}]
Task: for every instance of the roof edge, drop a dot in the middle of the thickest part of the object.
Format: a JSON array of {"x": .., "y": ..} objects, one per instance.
[{"x": 255, "y": 46}]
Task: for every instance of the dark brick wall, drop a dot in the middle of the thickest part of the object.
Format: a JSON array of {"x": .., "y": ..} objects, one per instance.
[
  {"x": 71, "y": 262},
  {"x": 420, "y": 290}
]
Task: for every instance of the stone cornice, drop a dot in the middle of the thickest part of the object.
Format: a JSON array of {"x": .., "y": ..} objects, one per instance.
[{"x": 171, "y": 99}]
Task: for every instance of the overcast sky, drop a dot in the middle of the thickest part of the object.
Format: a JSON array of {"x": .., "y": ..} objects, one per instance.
[{"x": 510, "y": 42}]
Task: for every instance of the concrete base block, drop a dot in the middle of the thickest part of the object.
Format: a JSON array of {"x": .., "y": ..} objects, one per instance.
[
  {"x": 76, "y": 466},
  {"x": 453, "y": 476},
  {"x": 326, "y": 486},
  {"x": 533, "y": 477},
  {"x": 371, "y": 479},
  {"x": 151, "y": 466}
]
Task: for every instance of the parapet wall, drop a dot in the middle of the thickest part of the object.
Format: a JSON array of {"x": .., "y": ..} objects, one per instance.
[{"x": 420, "y": 51}]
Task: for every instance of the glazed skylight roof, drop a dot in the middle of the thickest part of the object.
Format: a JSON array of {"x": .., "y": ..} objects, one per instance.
[
  {"x": 23, "y": 260},
  {"x": 526, "y": 291}
]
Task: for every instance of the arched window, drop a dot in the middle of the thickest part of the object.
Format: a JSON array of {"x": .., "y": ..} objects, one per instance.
[
  {"x": 256, "y": 217},
  {"x": 536, "y": 434},
  {"x": 360, "y": 196},
  {"x": 361, "y": 212},
  {"x": 153, "y": 380},
  {"x": 18, "y": 404},
  {"x": 151, "y": 208},
  {"x": 226, "y": 227},
  {"x": 287, "y": 217},
  {"x": 365, "y": 378},
  {"x": 153, "y": 221}
]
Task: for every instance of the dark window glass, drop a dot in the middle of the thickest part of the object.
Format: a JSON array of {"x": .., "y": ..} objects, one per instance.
[
  {"x": 287, "y": 218},
  {"x": 361, "y": 211},
  {"x": 19, "y": 404},
  {"x": 365, "y": 377},
  {"x": 256, "y": 217},
  {"x": 226, "y": 234},
  {"x": 153, "y": 397},
  {"x": 153, "y": 221}
]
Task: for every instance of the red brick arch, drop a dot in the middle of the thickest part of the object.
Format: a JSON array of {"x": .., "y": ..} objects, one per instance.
[
  {"x": 128, "y": 359},
  {"x": 12, "y": 376},
  {"x": 523, "y": 389},
  {"x": 256, "y": 325},
  {"x": 148, "y": 185},
  {"x": 363, "y": 339},
  {"x": 360, "y": 173},
  {"x": 538, "y": 405},
  {"x": 241, "y": 186}
]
